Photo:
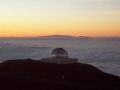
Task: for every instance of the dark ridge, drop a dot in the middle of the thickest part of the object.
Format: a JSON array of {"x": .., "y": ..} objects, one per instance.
[
  {"x": 36, "y": 75},
  {"x": 58, "y": 37}
]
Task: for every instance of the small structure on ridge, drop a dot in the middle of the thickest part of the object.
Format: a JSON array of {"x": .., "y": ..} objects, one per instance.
[
  {"x": 59, "y": 56},
  {"x": 59, "y": 53}
]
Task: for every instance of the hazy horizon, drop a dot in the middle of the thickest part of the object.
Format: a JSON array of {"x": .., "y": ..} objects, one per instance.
[{"x": 59, "y": 35}]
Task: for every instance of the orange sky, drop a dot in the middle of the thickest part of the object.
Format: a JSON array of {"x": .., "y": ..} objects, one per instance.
[{"x": 25, "y": 18}]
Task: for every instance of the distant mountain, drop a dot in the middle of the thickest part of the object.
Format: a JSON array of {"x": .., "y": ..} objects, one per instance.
[
  {"x": 59, "y": 37},
  {"x": 65, "y": 37},
  {"x": 85, "y": 37},
  {"x": 76, "y": 37}
]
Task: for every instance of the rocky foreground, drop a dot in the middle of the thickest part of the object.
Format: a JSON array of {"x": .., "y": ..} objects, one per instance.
[{"x": 36, "y": 75}]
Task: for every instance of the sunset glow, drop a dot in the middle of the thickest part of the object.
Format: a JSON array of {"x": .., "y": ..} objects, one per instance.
[{"x": 24, "y": 18}]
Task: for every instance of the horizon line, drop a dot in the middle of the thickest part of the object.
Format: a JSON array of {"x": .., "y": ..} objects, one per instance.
[{"x": 57, "y": 35}]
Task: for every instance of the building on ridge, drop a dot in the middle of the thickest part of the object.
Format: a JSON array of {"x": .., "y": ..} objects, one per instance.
[{"x": 59, "y": 56}]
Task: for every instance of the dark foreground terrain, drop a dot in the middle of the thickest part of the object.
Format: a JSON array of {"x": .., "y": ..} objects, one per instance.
[{"x": 35, "y": 75}]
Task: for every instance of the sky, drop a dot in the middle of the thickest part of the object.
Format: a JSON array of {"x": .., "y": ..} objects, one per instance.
[{"x": 26, "y": 18}]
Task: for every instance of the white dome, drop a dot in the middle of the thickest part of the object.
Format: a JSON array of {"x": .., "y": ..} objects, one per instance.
[{"x": 59, "y": 53}]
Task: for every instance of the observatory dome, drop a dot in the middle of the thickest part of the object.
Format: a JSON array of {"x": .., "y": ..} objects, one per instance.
[{"x": 59, "y": 53}]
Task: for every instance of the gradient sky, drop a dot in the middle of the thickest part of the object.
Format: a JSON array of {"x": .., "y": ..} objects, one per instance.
[{"x": 63, "y": 17}]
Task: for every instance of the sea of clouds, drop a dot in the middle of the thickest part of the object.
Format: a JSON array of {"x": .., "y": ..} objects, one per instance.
[{"x": 104, "y": 54}]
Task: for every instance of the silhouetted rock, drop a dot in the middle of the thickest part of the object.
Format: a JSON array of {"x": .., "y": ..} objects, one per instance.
[{"x": 34, "y": 75}]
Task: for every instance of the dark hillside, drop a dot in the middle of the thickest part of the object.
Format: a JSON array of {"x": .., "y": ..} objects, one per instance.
[{"x": 33, "y": 75}]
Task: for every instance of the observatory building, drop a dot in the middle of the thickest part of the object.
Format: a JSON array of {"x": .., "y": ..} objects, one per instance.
[
  {"x": 59, "y": 53},
  {"x": 59, "y": 56}
]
